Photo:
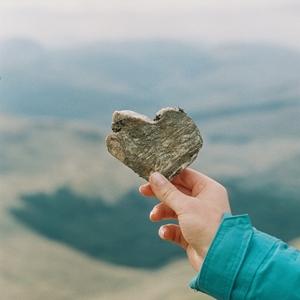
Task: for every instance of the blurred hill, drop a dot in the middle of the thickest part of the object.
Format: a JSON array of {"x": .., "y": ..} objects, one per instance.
[
  {"x": 65, "y": 200},
  {"x": 88, "y": 82}
]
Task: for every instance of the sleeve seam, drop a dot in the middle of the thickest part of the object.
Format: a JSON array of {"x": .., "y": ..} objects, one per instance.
[
  {"x": 240, "y": 259},
  {"x": 258, "y": 268}
]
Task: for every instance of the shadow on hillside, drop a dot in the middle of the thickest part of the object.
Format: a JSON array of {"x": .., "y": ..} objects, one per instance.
[{"x": 120, "y": 233}]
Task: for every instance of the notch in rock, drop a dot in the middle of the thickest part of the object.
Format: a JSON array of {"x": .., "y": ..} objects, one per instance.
[
  {"x": 117, "y": 126},
  {"x": 181, "y": 109},
  {"x": 157, "y": 117}
]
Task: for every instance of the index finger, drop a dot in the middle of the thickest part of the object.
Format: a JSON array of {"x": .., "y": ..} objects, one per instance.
[
  {"x": 190, "y": 179},
  {"x": 146, "y": 190}
]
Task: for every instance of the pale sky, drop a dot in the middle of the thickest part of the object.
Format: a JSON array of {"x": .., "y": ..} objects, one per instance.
[{"x": 59, "y": 23}]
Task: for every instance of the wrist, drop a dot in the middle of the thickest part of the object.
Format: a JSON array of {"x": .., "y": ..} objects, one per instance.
[
  {"x": 222, "y": 262},
  {"x": 211, "y": 232}
]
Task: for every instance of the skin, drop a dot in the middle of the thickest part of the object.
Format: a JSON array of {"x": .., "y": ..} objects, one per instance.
[{"x": 197, "y": 202}]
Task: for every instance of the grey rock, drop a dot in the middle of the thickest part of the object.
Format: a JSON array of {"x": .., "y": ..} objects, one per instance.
[{"x": 167, "y": 144}]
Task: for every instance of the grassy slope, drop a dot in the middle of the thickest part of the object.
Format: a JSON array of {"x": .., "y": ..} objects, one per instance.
[{"x": 35, "y": 268}]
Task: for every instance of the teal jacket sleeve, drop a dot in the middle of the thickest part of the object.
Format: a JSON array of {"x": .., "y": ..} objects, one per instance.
[{"x": 244, "y": 263}]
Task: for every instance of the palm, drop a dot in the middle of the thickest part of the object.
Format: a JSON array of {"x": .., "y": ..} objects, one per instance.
[{"x": 196, "y": 223}]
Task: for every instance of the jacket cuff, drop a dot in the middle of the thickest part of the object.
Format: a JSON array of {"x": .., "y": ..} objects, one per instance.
[{"x": 225, "y": 257}]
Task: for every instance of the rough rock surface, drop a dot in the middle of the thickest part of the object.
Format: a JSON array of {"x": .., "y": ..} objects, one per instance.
[{"x": 167, "y": 144}]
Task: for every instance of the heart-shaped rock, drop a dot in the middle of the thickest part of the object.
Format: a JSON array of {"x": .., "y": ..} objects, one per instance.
[{"x": 167, "y": 144}]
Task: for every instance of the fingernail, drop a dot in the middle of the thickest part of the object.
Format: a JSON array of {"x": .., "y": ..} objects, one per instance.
[
  {"x": 151, "y": 215},
  {"x": 158, "y": 179},
  {"x": 161, "y": 232},
  {"x": 153, "y": 211}
]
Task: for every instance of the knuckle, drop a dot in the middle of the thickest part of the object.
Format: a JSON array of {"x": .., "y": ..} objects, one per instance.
[
  {"x": 220, "y": 188},
  {"x": 223, "y": 189},
  {"x": 169, "y": 194}
]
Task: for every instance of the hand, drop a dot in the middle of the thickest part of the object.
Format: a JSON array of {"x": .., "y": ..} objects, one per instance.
[{"x": 197, "y": 202}]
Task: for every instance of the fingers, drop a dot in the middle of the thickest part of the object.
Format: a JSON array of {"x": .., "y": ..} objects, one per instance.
[
  {"x": 172, "y": 233},
  {"x": 167, "y": 193},
  {"x": 191, "y": 180},
  {"x": 146, "y": 190},
  {"x": 161, "y": 212}
]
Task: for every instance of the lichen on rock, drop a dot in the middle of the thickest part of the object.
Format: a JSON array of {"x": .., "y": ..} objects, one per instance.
[{"x": 167, "y": 144}]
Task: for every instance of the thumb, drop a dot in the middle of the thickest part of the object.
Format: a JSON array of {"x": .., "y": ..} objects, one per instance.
[{"x": 166, "y": 192}]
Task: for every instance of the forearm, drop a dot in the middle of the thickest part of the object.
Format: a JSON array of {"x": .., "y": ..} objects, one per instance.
[{"x": 244, "y": 263}]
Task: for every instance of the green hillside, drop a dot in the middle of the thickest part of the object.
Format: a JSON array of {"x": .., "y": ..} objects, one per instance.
[{"x": 34, "y": 268}]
